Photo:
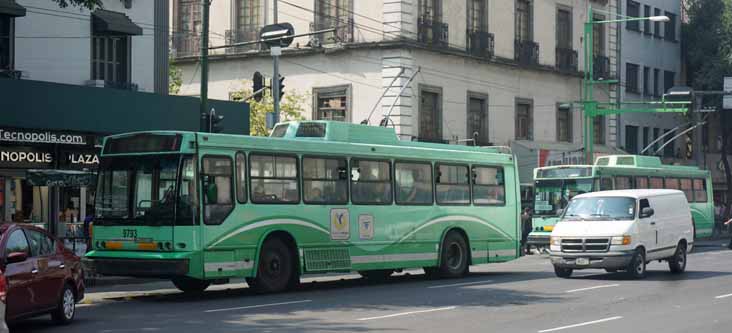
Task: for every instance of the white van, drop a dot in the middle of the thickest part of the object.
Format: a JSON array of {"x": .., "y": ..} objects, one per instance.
[{"x": 622, "y": 230}]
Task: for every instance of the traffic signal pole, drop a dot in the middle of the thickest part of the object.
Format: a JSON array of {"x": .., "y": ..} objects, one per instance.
[
  {"x": 204, "y": 112},
  {"x": 276, "y": 52}
]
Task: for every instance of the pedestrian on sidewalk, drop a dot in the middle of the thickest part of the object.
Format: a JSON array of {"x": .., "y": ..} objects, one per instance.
[{"x": 525, "y": 230}]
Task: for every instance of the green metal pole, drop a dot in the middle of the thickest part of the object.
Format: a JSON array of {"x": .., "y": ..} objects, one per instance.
[
  {"x": 205, "y": 4},
  {"x": 587, "y": 88}
]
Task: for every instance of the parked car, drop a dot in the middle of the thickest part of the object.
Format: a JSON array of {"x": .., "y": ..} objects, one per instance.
[
  {"x": 41, "y": 275},
  {"x": 3, "y": 293},
  {"x": 623, "y": 230}
]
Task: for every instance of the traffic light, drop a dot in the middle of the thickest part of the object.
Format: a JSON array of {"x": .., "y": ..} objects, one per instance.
[
  {"x": 282, "y": 86},
  {"x": 257, "y": 86},
  {"x": 215, "y": 125}
]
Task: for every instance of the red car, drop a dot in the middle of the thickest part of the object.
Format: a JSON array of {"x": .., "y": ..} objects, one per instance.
[{"x": 41, "y": 275}]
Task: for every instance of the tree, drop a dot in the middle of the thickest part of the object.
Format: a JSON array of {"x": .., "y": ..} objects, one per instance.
[
  {"x": 88, "y": 4},
  {"x": 175, "y": 78},
  {"x": 292, "y": 107},
  {"x": 707, "y": 48}
]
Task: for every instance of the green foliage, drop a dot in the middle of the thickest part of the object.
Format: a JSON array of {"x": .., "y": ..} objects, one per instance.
[
  {"x": 175, "y": 78},
  {"x": 292, "y": 107},
  {"x": 88, "y": 4},
  {"x": 708, "y": 41}
]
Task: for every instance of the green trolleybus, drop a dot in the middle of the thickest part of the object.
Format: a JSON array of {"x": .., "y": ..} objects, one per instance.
[
  {"x": 314, "y": 197},
  {"x": 556, "y": 185}
]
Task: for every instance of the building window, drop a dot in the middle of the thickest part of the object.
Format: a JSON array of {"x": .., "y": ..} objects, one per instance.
[
  {"x": 7, "y": 38},
  {"x": 564, "y": 28},
  {"x": 325, "y": 180},
  {"x": 633, "y": 10},
  {"x": 670, "y": 28},
  {"x": 668, "y": 80},
  {"x": 631, "y": 139},
  {"x": 431, "y": 10},
  {"x": 647, "y": 81},
  {"x": 647, "y": 23},
  {"x": 657, "y": 24},
  {"x": 413, "y": 183},
  {"x": 656, "y": 74},
  {"x": 598, "y": 37},
  {"x": 111, "y": 58},
  {"x": 332, "y": 103},
  {"x": 335, "y": 14},
  {"x": 273, "y": 179},
  {"x": 248, "y": 21},
  {"x": 646, "y": 138},
  {"x": 479, "y": 41},
  {"x": 430, "y": 114},
  {"x": 631, "y": 78},
  {"x": 478, "y": 119},
  {"x": 598, "y": 128},
  {"x": 523, "y": 20},
  {"x": 187, "y": 34},
  {"x": 477, "y": 15},
  {"x": 524, "y": 120},
  {"x": 564, "y": 124}
]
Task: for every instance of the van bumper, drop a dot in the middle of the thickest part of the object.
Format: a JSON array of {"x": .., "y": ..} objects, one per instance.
[{"x": 610, "y": 260}]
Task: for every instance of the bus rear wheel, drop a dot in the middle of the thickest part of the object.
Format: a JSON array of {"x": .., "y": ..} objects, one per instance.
[
  {"x": 276, "y": 269},
  {"x": 453, "y": 256},
  {"x": 190, "y": 285}
]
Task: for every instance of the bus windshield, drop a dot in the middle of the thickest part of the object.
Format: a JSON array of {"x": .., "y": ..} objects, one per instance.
[
  {"x": 552, "y": 195},
  {"x": 144, "y": 190},
  {"x": 601, "y": 208}
]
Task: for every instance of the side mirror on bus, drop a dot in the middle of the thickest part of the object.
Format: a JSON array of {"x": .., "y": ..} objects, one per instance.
[{"x": 646, "y": 212}]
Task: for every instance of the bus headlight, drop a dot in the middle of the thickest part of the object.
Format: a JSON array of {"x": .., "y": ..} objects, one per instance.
[
  {"x": 555, "y": 241},
  {"x": 621, "y": 240}
]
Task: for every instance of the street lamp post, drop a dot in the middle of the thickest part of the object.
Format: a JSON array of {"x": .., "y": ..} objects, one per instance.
[{"x": 589, "y": 103}]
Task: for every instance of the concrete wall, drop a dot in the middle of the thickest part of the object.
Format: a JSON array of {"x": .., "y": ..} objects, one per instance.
[{"x": 52, "y": 44}]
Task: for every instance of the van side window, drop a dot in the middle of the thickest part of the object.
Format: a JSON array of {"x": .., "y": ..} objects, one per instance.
[{"x": 643, "y": 204}]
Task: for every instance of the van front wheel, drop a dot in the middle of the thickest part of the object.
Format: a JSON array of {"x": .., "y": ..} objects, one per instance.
[
  {"x": 677, "y": 263},
  {"x": 637, "y": 267},
  {"x": 563, "y": 272}
]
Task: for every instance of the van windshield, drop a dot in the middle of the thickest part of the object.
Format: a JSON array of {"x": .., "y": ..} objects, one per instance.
[{"x": 600, "y": 208}]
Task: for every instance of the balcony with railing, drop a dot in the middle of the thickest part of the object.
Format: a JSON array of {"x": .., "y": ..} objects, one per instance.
[
  {"x": 601, "y": 68},
  {"x": 526, "y": 52},
  {"x": 242, "y": 35},
  {"x": 566, "y": 60},
  {"x": 432, "y": 32},
  {"x": 481, "y": 44},
  {"x": 343, "y": 30},
  {"x": 186, "y": 44}
]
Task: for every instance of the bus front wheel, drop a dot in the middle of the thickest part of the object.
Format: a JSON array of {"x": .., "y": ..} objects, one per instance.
[
  {"x": 276, "y": 269},
  {"x": 190, "y": 285},
  {"x": 453, "y": 256}
]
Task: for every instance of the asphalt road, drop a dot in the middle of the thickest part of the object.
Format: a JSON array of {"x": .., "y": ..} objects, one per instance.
[{"x": 520, "y": 296}]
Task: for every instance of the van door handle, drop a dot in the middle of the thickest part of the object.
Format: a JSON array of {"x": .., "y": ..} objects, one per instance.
[{"x": 653, "y": 223}]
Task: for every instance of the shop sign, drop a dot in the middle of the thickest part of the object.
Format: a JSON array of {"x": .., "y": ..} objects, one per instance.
[
  {"x": 42, "y": 137},
  {"x": 79, "y": 159},
  {"x": 25, "y": 157}
]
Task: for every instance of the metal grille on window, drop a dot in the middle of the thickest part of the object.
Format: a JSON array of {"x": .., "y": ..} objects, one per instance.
[
  {"x": 564, "y": 125},
  {"x": 523, "y": 20},
  {"x": 429, "y": 117},
  {"x": 523, "y": 122},
  {"x": 478, "y": 122},
  {"x": 336, "y": 14},
  {"x": 186, "y": 38},
  {"x": 110, "y": 58},
  {"x": 333, "y": 105},
  {"x": 248, "y": 22}
]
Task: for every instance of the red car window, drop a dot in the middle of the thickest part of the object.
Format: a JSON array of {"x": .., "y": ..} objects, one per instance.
[
  {"x": 40, "y": 244},
  {"x": 17, "y": 243}
]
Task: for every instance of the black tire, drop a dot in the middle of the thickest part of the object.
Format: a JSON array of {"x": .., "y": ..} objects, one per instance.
[
  {"x": 190, "y": 285},
  {"x": 276, "y": 270},
  {"x": 677, "y": 263},
  {"x": 378, "y": 275},
  {"x": 66, "y": 307},
  {"x": 453, "y": 256},
  {"x": 562, "y": 272},
  {"x": 431, "y": 272},
  {"x": 637, "y": 267}
]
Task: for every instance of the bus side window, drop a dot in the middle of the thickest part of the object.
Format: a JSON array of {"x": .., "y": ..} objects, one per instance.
[
  {"x": 324, "y": 180},
  {"x": 700, "y": 190},
  {"x": 641, "y": 182},
  {"x": 218, "y": 197},
  {"x": 656, "y": 183},
  {"x": 488, "y": 186},
  {"x": 686, "y": 187},
  {"x": 606, "y": 183},
  {"x": 274, "y": 179},
  {"x": 453, "y": 184},
  {"x": 622, "y": 183},
  {"x": 371, "y": 182},
  {"x": 413, "y": 183},
  {"x": 672, "y": 183}
]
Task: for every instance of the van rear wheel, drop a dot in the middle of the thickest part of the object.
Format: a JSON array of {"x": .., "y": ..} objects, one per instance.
[{"x": 677, "y": 263}]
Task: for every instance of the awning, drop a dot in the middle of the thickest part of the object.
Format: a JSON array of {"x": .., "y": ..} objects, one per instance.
[
  {"x": 107, "y": 22},
  {"x": 11, "y": 8},
  {"x": 60, "y": 178}
]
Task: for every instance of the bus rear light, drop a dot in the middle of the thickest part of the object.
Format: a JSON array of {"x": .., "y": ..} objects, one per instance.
[
  {"x": 112, "y": 245},
  {"x": 147, "y": 246}
]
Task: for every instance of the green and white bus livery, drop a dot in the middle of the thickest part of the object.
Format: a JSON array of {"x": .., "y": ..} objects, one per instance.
[
  {"x": 556, "y": 185},
  {"x": 314, "y": 197}
]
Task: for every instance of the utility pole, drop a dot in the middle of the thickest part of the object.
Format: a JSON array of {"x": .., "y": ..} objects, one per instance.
[
  {"x": 205, "y": 6},
  {"x": 276, "y": 51}
]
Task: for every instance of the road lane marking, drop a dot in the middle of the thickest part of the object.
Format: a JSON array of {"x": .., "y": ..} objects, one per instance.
[
  {"x": 409, "y": 313},
  {"x": 458, "y": 284},
  {"x": 591, "y": 288},
  {"x": 581, "y": 324},
  {"x": 258, "y": 306},
  {"x": 723, "y": 296}
]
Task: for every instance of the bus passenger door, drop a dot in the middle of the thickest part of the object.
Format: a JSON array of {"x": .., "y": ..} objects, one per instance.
[
  {"x": 187, "y": 230},
  {"x": 218, "y": 203}
]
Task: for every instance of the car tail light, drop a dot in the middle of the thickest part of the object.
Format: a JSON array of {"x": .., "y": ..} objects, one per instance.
[{"x": 3, "y": 287}]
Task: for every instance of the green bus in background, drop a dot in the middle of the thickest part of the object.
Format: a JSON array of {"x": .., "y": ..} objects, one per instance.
[
  {"x": 556, "y": 185},
  {"x": 314, "y": 197}
]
